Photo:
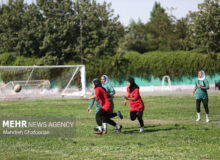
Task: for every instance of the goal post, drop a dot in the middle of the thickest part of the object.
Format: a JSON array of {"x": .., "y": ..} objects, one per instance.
[{"x": 43, "y": 81}]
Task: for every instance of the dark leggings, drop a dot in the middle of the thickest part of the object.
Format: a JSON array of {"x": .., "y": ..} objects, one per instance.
[
  {"x": 205, "y": 104},
  {"x": 105, "y": 117},
  {"x": 139, "y": 115}
]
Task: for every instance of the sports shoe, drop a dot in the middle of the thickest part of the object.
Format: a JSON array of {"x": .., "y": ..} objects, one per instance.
[
  {"x": 198, "y": 119},
  {"x": 141, "y": 129},
  {"x": 207, "y": 120},
  {"x": 96, "y": 129},
  {"x": 119, "y": 114},
  {"x": 98, "y": 132},
  {"x": 119, "y": 130}
]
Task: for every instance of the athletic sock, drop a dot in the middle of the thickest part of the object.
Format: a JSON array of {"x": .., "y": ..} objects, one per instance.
[
  {"x": 100, "y": 128},
  {"x": 117, "y": 126},
  {"x": 105, "y": 126},
  {"x": 207, "y": 117},
  {"x": 198, "y": 115}
]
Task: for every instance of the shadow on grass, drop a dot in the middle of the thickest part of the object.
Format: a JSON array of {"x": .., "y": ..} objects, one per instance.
[
  {"x": 215, "y": 121},
  {"x": 133, "y": 130},
  {"x": 135, "y": 127}
]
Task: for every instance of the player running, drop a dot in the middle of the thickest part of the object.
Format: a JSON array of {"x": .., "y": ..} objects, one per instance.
[
  {"x": 136, "y": 103},
  {"x": 104, "y": 114},
  {"x": 111, "y": 92}
]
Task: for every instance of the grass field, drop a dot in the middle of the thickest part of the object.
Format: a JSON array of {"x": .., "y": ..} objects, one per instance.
[{"x": 170, "y": 131}]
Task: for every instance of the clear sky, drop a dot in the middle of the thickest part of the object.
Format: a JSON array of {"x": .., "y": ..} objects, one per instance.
[{"x": 135, "y": 9}]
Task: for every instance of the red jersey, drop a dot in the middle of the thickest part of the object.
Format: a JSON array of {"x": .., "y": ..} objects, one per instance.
[
  {"x": 137, "y": 104},
  {"x": 102, "y": 97}
]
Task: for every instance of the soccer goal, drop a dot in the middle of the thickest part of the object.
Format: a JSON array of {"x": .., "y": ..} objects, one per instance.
[{"x": 42, "y": 81}]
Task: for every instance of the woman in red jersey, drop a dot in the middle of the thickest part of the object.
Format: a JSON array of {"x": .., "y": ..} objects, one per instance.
[
  {"x": 104, "y": 114},
  {"x": 136, "y": 103}
]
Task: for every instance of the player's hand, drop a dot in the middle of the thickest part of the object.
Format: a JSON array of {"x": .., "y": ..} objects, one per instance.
[
  {"x": 85, "y": 98},
  {"x": 89, "y": 110},
  {"x": 125, "y": 102},
  {"x": 112, "y": 96},
  {"x": 194, "y": 92},
  {"x": 125, "y": 97}
]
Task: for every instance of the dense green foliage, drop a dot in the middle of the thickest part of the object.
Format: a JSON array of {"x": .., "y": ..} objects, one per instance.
[
  {"x": 176, "y": 64},
  {"x": 170, "y": 131},
  {"x": 205, "y": 31},
  {"x": 51, "y": 32},
  {"x": 59, "y": 30},
  {"x": 197, "y": 31}
]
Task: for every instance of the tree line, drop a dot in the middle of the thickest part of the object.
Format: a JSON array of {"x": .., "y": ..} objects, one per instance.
[
  {"x": 59, "y": 30},
  {"x": 198, "y": 31},
  {"x": 52, "y": 32}
]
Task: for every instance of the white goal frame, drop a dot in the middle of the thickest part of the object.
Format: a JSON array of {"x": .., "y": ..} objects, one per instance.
[{"x": 80, "y": 68}]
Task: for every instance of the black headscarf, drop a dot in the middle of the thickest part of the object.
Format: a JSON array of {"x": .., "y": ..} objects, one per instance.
[
  {"x": 133, "y": 85},
  {"x": 97, "y": 83}
]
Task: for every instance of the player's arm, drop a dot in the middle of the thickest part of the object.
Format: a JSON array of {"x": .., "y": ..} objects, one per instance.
[
  {"x": 125, "y": 102},
  {"x": 91, "y": 97},
  {"x": 112, "y": 91},
  {"x": 203, "y": 87},
  {"x": 206, "y": 85},
  {"x": 194, "y": 90},
  {"x": 92, "y": 101},
  {"x": 136, "y": 93},
  {"x": 129, "y": 99}
]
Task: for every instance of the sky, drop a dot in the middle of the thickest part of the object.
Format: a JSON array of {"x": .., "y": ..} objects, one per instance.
[{"x": 140, "y": 9}]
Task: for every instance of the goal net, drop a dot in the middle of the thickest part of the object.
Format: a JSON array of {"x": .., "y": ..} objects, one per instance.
[{"x": 42, "y": 81}]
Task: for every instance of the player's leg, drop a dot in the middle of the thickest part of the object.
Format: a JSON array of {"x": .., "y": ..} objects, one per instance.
[
  {"x": 133, "y": 115},
  {"x": 205, "y": 104},
  {"x": 113, "y": 123},
  {"x": 96, "y": 128},
  {"x": 198, "y": 102},
  {"x": 99, "y": 119},
  {"x": 106, "y": 119},
  {"x": 140, "y": 119},
  {"x": 112, "y": 115}
]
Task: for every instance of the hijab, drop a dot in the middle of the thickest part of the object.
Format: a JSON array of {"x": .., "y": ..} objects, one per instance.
[
  {"x": 133, "y": 85},
  {"x": 97, "y": 83},
  {"x": 203, "y": 76},
  {"x": 106, "y": 79}
]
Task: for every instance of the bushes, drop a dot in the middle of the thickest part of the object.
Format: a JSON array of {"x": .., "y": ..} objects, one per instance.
[
  {"x": 175, "y": 64},
  {"x": 157, "y": 64},
  {"x": 6, "y": 59}
]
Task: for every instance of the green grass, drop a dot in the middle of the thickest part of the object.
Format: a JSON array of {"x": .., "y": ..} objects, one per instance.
[{"x": 170, "y": 131}]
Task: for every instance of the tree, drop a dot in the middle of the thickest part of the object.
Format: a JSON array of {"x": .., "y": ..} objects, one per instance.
[
  {"x": 181, "y": 36},
  {"x": 100, "y": 29},
  {"x": 160, "y": 29},
  {"x": 135, "y": 38},
  {"x": 59, "y": 30},
  {"x": 10, "y": 24},
  {"x": 205, "y": 27},
  {"x": 31, "y": 34},
  {"x": 157, "y": 11}
]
